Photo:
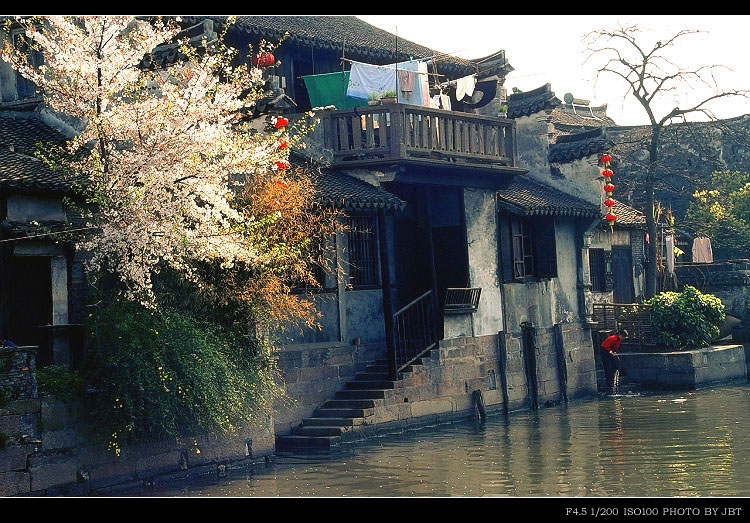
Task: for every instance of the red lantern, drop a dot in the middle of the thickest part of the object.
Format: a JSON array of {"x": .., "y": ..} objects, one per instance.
[
  {"x": 283, "y": 144},
  {"x": 605, "y": 159},
  {"x": 280, "y": 122},
  {"x": 609, "y": 187},
  {"x": 280, "y": 183},
  {"x": 262, "y": 59},
  {"x": 607, "y": 173},
  {"x": 610, "y": 217},
  {"x": 282, "y": 164},
  {"x": 609, "y": 202}
]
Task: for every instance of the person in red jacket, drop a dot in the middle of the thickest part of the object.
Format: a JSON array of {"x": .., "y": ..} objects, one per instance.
[{"x": 608, "y": 353}]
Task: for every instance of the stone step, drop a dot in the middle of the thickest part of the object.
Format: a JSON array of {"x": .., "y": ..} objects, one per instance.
[
  {"x": 370, "y": 376},
  {"x": 349, "y": 404},
  {"x": 370, "y": 384},
  {"x": 343, "y": 413},
  {"x": 295, "y": 441},
  {"x": 377, "y": 368},
  {"x": 318, "y": 430},
  {"x": 331, "y": 422},
  {"x": 360, "y": 394}
]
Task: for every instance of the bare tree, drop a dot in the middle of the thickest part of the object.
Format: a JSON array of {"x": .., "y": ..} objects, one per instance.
[{"x": 650, "y": 74}]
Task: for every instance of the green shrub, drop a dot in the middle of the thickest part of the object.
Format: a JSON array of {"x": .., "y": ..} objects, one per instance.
[
  {"x": 58, "y": 380},
  {"x": 169, "y": 372},
  {"x": 686, "y": 320}
]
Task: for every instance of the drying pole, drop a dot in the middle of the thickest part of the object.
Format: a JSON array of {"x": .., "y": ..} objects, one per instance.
[
  {"x": 396, "y": 64},
  {"x": 343, "y": 84}
]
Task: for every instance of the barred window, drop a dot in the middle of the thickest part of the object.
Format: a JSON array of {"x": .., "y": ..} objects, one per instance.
[
  {"x": 363, "y": 251},
  {"x": 317, "y": 265}
]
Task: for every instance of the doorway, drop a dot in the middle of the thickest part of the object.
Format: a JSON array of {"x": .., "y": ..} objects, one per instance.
[
  {"x": 622, "y": 273},
  {"x": 30, "y": 304}
]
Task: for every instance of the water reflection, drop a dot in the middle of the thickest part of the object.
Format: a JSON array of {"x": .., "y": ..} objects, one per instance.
[{"x": 685, "y": 444}]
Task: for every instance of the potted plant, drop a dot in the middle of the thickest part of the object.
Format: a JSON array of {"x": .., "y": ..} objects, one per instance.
[
  {"x": 502, "y": 111},
  {"x": 374, "y": 98},
  {"x": 388, "y": 97}
]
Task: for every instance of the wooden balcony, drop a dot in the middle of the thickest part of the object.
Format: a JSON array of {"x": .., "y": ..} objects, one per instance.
[{"x": 395, "y": 133}]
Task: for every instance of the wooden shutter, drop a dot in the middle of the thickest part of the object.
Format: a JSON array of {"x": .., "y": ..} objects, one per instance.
[
  {"x": 520, "y": 246},
  {"x": 545, "y": 249},
  {"x": 596, "y": 267},
  {"x": 505, "y": 250}
]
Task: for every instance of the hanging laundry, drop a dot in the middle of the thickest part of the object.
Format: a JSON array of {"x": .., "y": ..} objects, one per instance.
[
  {"x": 365, "y": 79},
  {"x": 465, "y": 86},
  {"x": 330, "y": 89},
  {"x": 406, "y": 81},
  {"x": 702, "y": 252},
  {"x": 445, "y": 102},
  {"x": 435, "y": 102}
]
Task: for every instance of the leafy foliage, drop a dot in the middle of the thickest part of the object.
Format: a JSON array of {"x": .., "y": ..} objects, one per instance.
[
  {"x": 59, "y": 380},
  {"x": 686, "y": 320},
  {"x": 723, "y": 213},
  {"x": 171, "y": 373}
]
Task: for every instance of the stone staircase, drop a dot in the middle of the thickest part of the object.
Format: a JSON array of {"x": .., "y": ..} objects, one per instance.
[{"x": 341, "y": 418}]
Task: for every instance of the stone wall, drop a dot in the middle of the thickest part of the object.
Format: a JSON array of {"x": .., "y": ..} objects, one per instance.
[
  {"x": 312, "y": 373},
  {"x": 442, "y": 388},
  {"x": 57, "y": 455},
  {"x": 17, "y": 373},
  {"x": 685, "y": 369},
  {"x": 728, "y": 281}
]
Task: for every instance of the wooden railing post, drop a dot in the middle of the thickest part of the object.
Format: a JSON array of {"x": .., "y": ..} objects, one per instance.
[{"x": 385, "y": 271}]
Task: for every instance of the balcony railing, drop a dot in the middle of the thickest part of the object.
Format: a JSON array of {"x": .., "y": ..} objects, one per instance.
[{"x": 395, "y": 132}]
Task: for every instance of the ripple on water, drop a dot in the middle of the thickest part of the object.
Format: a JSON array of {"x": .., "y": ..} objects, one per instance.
[{"x": 631, "y": 445}]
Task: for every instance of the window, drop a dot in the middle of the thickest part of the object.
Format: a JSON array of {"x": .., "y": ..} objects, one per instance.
[
  {"x": 319, "y": 265},
  {"x": 26, "y": 88},
  {"x": 597, "y": 269},
  {"x": 363, "y": 252},
  {"x": 527, "y": 248}
]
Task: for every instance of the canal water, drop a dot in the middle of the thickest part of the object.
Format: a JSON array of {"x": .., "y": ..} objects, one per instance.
[{"x": 693, "y": 443}]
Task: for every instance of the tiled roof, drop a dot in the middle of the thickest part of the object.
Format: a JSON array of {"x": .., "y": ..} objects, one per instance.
[
  {"x": 582, "y": 116},
  {"x": 341, "y": 191},
  {"x": 530, "y": 102},
  {"x": 20, "y": 137},
  {"x": 627, "y": 216},
  {"x": 576, "y": 146},
  {"x": 363, "y": 41},
  {"x": 529, "y": 198}
]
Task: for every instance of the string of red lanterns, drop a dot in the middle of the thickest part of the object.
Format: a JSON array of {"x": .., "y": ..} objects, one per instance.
[{"x": 608, "y": 188}]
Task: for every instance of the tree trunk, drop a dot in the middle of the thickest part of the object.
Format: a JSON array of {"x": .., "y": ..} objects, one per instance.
[{"x": 648, "y": 210}]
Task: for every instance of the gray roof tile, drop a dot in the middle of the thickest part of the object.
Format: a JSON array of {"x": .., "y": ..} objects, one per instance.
[
  {"x": 21, "y": 136},
  {"x": 576, "y": 146},
  {"x": 529, "y": 198},
  {"x": 530, "y": 102},
  {"x": 363, "y": 41}
]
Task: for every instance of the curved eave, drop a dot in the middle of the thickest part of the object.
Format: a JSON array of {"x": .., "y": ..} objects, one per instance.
[{"x": 360, "y": 205}]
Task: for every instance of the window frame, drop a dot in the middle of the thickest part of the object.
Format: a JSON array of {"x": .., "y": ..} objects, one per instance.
[{"x": 363, "y": 251}]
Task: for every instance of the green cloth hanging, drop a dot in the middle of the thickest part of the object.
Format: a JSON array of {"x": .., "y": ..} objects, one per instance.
[{"x": 330, "y": 89}]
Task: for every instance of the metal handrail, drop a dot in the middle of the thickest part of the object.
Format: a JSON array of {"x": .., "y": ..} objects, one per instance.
[{"x": 414, "y": 331}]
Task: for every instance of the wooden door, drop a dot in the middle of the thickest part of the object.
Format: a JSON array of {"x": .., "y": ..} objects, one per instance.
[{"x": 622, "y": 274}]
